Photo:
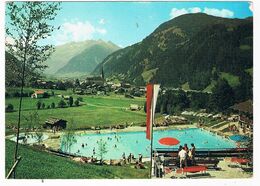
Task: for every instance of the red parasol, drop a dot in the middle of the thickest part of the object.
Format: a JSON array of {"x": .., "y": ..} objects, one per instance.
[{"x": 169, "y": 141}]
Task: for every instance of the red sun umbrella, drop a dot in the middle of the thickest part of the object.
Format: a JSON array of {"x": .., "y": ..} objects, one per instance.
[{"x": 169, "y": 141}]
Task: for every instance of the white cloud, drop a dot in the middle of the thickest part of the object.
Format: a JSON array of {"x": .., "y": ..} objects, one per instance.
[
  {"x": 101, "y": 31},
  {"x": 218, "y": 12},
  {"x": 194, "y": 10},
  {"x": 210, "y": 11},
  {"x": 76, "y": 31},
  {"x": 177, "y": 12},
  {"x": 102, "y": 21}
]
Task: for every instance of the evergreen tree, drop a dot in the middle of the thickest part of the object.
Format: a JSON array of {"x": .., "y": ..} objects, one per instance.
[
  {"x": 70, "y": 103},
  {"x": 62, "y": 104},
  {"x": 222, "y": 95},
  {"x": 39, "y": 104}
]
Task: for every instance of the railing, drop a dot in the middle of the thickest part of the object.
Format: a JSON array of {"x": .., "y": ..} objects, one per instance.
[{"x": 207, "y": 152}]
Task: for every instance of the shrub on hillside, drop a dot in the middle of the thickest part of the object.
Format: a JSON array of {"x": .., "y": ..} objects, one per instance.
[
  {"x": 39, "y": 104},
  {"x": 52, "y": 105},
  {"x": 62, "y": 104},
  {"x": 80, "y": 99},
  {"x": 76, "y": 103},
  {"x": 9, "y": 108}
]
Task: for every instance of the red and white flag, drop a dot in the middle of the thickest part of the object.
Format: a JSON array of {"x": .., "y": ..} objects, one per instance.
[{"x": 151, "y": 98}]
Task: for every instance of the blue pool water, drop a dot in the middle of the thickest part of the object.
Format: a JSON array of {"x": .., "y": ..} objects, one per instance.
[
  {"x": 28, "y": 138},
  {"x": 136, "y": 142},
  {"x": 239, "y": 138}
]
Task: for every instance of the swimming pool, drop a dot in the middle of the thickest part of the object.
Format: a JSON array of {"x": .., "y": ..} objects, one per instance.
[
  {"x": 28, "y": 138},
  {"x": 136, "y": 142}
]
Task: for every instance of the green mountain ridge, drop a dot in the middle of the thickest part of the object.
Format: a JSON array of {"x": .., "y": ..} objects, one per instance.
[
  {"x": 66, "y": 54},
  {"x": 88, "y": 59},
  {"x": 186, "y": 49}
]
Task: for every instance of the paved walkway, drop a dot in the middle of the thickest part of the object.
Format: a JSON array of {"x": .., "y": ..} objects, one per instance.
[{"x": 227, "y": 170}]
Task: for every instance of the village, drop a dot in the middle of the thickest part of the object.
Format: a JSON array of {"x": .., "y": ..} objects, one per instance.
[{"x": 93, "y": 95}]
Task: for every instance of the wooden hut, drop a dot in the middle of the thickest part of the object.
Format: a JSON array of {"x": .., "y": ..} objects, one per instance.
[{"x": 55, "y": 123}]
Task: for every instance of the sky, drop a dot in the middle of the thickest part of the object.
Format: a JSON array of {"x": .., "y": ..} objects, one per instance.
[{"x": 126, "y": 23}]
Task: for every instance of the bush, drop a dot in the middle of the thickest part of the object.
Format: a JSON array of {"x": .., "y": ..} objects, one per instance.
[
  {"x": 70, "y": 103},
  {"x": 43, "y": 106},
  {"x": 62, "y": 104},
  {"x": 46, "y": 95},
  {"x": 38, "y": 104},
  {"x": 9, "y": 108},
  {"x": 80, "y": 99},
  {"x": 76, "y": 102},
  {"x": 52, "y": 105}
]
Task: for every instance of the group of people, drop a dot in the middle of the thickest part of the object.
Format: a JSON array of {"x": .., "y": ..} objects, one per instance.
[
  {"x": 185, "y": 154},
  {"x": 131, "y": 157}
]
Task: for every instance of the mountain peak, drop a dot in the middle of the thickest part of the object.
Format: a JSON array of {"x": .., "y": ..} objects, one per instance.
[
  {"x": 185, "y": 50},
  {"x": 65, "y": 53}
]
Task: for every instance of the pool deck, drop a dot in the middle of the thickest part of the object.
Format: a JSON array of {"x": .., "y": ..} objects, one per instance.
[{"x": 227, "y": 171}]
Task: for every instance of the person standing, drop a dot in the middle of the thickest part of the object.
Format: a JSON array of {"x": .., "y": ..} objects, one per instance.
[
  {"x": 192, "y": 153},
  {"x": 183, "y": 157},
  {"x": 140, "y": 158},
  {"x": 124, "y": 158}
]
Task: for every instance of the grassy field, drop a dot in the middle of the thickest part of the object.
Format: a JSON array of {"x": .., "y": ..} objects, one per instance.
[
  {"x": 36, "y": 164},
  {"x": 232, "y": 79},
  {"x": 93, "y": 111}
]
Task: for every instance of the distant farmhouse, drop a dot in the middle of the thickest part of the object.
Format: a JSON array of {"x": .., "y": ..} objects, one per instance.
[
  {"x": 55, "y": 123},
  {"x": 38, "y": 94},
  {"x": 134, "y": 107},
  {"x": 245, "y": 111}
]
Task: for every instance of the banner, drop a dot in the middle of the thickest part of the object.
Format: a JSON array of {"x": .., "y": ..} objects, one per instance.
[{"x": 151, "y": 98}]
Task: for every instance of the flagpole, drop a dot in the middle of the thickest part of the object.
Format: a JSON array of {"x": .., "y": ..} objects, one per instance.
[{"x": 152, "y": 136}]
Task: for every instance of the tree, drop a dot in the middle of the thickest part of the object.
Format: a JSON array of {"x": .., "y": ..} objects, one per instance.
[
  {"x": 69, "y": 138},
  {"x": 62, "y": 104},
  {"x": 52, "y": 105},
  {"x": 9, "y": 108},
  {"x": 70, "y": 103},
  {"x": 39, "y": 104},
  {"x": 43, "y": 105},
  {"x": 76, "y": 103},
  {"x": 39, "y": 137},
  {"x": 28, "y": 24},
  {"x": 102, "y": 150},
  {"x": 145, "y": 106},
  {"x": 77, "y": 83},
  {"x": 32, "y": 119},
  {"x": 222, "y": 96}
]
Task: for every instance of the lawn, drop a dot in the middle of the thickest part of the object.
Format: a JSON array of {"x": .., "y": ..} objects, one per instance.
[
  {"x": 93, "y": 111},
  {"x": 36, "y": 164}
]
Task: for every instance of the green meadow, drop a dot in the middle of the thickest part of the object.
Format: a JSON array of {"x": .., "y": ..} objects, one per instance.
[
  {"x": 93, "y": 111},
  {"x": 36, "y": 164}
]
